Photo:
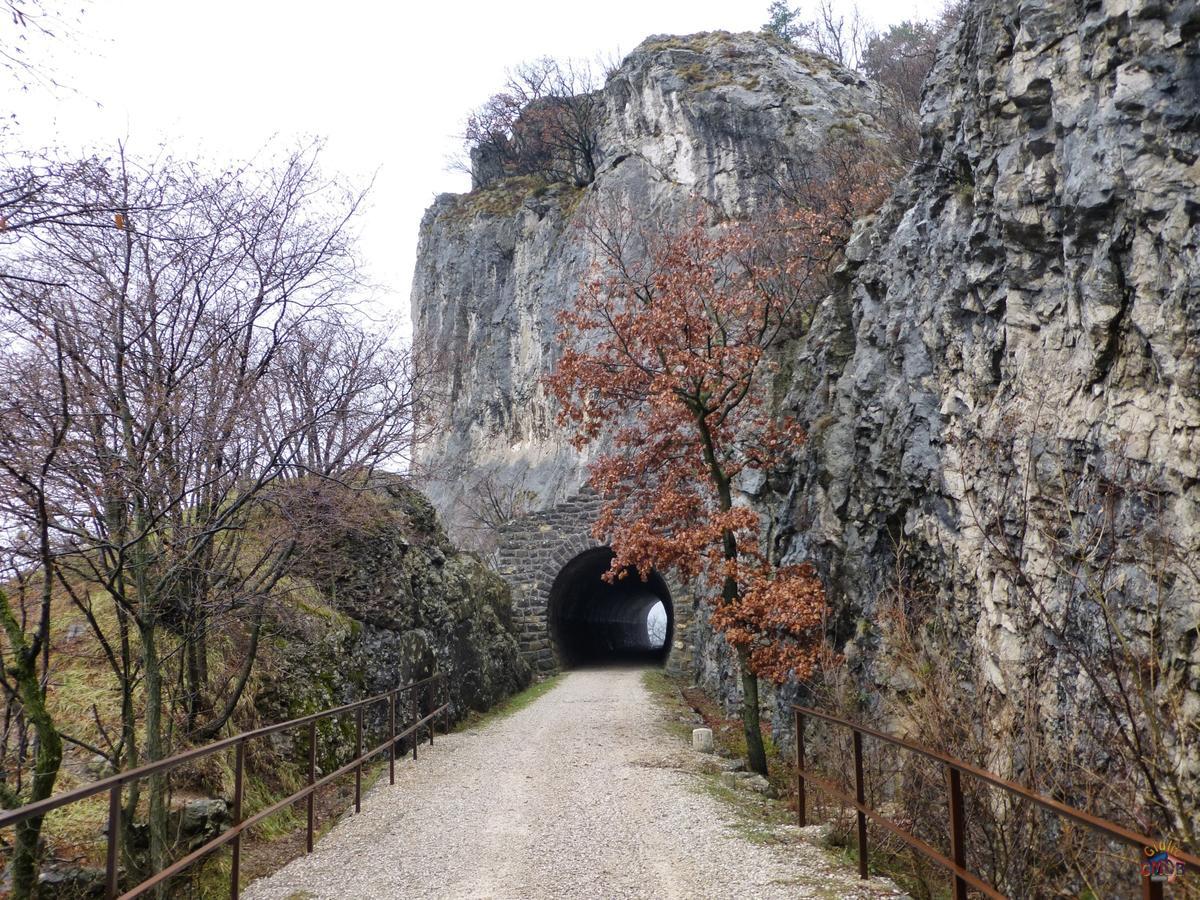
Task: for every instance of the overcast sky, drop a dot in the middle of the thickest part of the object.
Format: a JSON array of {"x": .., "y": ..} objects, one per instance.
[{"x": 387, "y": 84}]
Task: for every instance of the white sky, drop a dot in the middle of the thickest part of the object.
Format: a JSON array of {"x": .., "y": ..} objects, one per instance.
[{"x": 387, "y": 84}]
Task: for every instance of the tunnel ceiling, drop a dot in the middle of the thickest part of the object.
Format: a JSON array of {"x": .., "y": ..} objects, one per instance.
[{"x": 593, "y": 622}]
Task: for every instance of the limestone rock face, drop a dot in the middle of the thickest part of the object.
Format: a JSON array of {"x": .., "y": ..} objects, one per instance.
[
  {"x": 709, "y": 119},
  {"x": 1005, "y": 382},
  {"x": 1002, "y": 390}
]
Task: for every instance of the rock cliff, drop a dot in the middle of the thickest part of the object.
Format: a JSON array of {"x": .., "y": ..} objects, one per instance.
[
  {"x": 1001, "y": 390},
  {"x": 710, "y": 119},
  {"x": 388, "y": 600}
]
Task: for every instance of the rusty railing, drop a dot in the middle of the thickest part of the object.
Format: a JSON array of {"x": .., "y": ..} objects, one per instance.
[
  {"x": 429, "y": 690},
  {"x": 956, "y": 864}
]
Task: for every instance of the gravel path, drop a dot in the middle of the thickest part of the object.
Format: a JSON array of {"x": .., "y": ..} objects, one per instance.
[{"x": 582, "y": 794}]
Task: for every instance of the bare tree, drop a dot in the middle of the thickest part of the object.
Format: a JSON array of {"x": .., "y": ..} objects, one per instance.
[
  {"x": 28, "y": 23},
  {"x": 208, "y": 350},
  {"x": 34, "y": 423},
  {"x": 897, "y": 59},
  {"x": 656, "y": 625},
  {"x": 355, "y": 390},
  {"x": 494, "y": 500},
  {"x": 497, "y": 501},
  {"x": 545, "y": 121},
  {"x": 841, "y": 36},
  {"x": 39, "y": 195}
]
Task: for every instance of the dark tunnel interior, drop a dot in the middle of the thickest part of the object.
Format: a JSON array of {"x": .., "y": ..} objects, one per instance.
[{"x": 593, "y": 622}]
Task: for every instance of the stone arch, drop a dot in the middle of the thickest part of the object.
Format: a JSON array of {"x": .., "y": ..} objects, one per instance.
[
  {"x": 566, "y": 551},
  {"x": 531, "y": 553}
]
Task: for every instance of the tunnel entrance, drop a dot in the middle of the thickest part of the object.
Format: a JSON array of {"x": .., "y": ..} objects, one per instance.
[{"x": 594, "y": 622}]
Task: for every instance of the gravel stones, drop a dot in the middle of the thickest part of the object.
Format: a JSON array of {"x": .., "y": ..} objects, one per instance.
[{"x": 581, "y": 794}]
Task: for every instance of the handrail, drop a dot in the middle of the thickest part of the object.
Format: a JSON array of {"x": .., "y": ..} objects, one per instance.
[
  {"x": 955, "y": 769},
  {"x": 114, "y": 783}
]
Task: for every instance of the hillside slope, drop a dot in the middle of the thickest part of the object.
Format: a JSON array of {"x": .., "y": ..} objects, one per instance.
[{"x": 381, "y": 599}]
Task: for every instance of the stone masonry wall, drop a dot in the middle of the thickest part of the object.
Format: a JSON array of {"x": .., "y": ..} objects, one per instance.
[{"x": 534, "y": 549}]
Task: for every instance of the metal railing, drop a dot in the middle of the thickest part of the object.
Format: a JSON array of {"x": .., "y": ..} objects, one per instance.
[
  {"x": 956, "y": 864},
  {"x": 423, "y": 690}
]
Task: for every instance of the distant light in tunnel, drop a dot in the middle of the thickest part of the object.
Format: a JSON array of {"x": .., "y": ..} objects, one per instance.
[
  {"x": 656, "y": 625},
  {"x": 595, "y": 622}
]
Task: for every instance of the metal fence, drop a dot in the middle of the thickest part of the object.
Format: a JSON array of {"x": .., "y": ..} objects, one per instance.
[
  {"x": 428, "y": 701},
  {"x": 962, "y": 878}
]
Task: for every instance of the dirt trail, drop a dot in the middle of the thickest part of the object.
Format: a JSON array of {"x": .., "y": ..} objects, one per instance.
[{"x": 582, "y": 794}]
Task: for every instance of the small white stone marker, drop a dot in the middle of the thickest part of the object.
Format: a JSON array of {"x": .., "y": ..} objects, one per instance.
[{"x": 702, "y": 740}]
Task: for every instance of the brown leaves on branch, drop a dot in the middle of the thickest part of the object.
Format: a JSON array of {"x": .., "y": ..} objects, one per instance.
[
  {"x": 777, "y": 618},
  {"x": 670, "y": 357}
]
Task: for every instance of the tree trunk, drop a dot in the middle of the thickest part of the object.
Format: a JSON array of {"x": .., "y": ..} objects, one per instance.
[
  {"x": 47, "y": 757},
  {"x": 756, "y": 754},
  {"x": 129, "y": 758},
  {"x": 196, "y": 654},
  {"x": 154, "y": 744}
]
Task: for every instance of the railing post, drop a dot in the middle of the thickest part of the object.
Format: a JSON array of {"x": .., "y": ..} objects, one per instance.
[
  {"x": 392, "y": 737},
  {"x": 235, "y": 870},
  {"x": 112, "y": 870},
  {"x": 958, "y": 847},
  {"x": 416, "y": 708},
  {"x": 801, "y": 815},
  {"x": 429, "y": 703},
  {"x": 312, "y": 780},
  {"x": 860, "y": 794},
  {"x": 358, "y": 752}
]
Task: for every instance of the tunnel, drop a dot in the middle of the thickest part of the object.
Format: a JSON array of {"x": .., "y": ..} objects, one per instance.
[{"x": 593, "y": 622}]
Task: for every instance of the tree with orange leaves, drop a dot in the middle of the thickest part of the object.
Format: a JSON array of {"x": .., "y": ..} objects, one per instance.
[{"x": 669, "y": 357}]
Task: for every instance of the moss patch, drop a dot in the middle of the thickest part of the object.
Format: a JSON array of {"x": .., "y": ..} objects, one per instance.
[
  {"x": 500, "y": 199},
  {"x": 697, "y": 43},
  {"x": 706, "y": 77}
]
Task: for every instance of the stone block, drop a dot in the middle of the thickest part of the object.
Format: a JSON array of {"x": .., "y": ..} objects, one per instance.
[
  {"x": 702, "y": 740},
  {"x": 747, "y": 781}
]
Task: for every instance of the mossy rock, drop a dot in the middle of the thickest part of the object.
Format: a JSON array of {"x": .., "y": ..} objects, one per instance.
[{"x": 406, "y": 603}]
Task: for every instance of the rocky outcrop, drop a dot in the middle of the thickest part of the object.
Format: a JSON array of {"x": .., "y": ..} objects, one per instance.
[
  {"x": 706, "y": 121},
  {"x": 1002, "y": 393},
  {"x": 391, "y": 601}
]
